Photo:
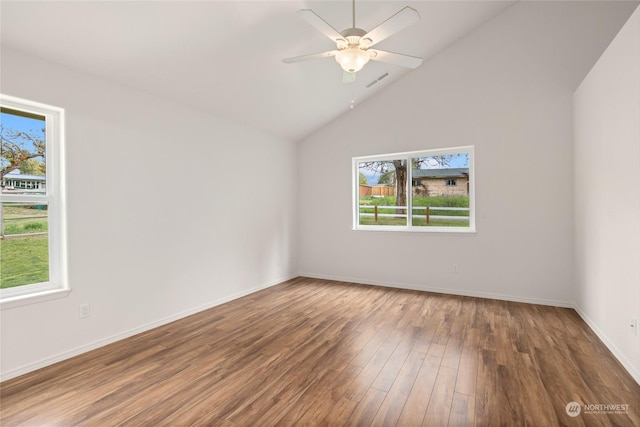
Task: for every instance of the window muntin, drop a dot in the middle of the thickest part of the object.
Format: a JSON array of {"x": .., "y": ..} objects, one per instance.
[
  {"x": 31, "y": 206},
  {"x": 434, "y": 194}
]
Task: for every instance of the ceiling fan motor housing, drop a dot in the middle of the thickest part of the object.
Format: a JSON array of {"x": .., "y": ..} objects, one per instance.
[{"x": 353, "y": 37}]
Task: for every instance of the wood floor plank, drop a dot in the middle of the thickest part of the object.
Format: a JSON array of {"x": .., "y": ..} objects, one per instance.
[
  {"x": 468, "y": 366},
  {"x": 340, "y": 414},
  {"x": 487, "y": 390},
  {"x": 367, "y": 408},
  {"x": 532, "y": 392},
  {"x": 441, "y": 399},
  {"x": 318, "y": 352},
  {"x": 396, "y": 398},
  {"x": 452, "y": 353},
  {"x": 322, "y": 399},
  {"x": 396, "y": 361},
  {"x": 463, "y": 411},
  {"x": 418, "y": 399},
  {"x": 363, "y": 382}
]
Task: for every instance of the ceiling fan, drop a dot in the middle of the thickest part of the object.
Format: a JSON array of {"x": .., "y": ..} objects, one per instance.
[{"x": 353, "y": 45}]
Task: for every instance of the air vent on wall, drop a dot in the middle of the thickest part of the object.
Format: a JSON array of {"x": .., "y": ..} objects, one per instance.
[{"x": 385, "y": 75}]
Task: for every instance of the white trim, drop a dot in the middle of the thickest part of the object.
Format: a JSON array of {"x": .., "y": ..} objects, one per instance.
[
  {"x": 431, "y": 152},
  {"x": 4, "y": 376},
  {"x": 57, "y": 286},
  {"x": 355, "y": 200},
  {"x": 403, "y": 229},
  {"x": 633, "y": 371},
  {"x": 32, "y": 298}
]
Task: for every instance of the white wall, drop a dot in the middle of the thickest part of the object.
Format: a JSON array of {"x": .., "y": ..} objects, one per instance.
[
  {"x": 507, "y": 89},
  {"x": 607, "y": 195},
  {"x": 169, "y": 211}
]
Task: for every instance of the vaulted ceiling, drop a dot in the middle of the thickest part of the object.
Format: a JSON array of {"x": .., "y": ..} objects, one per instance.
[{"x": 225, "y": 57}]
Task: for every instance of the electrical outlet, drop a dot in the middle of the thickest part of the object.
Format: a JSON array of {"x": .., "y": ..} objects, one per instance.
[
  {"x": 84, "y": 311},
  {"x": 634, "y": 325}
]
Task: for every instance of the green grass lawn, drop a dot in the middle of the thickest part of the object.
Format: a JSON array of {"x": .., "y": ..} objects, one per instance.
[
  {"x": 24, "y": 260},
  {"x": 436, "y": 201},
  {"x": 24, "y": 220}
]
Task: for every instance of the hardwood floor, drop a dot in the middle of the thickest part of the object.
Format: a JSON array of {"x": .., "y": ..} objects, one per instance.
[{"x": 310, "y": 352}]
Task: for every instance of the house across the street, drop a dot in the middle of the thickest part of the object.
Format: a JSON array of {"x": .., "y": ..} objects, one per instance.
[
  {"x": 15, "y": 180},
  {"x": 440, "y": 182}
]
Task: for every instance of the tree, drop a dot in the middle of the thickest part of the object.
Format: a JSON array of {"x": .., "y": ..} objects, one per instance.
[
  {"x": 397, "y": 169},
  {"x": 400, "y": 167},
  {"x": 388, "y": 169},
  {"x": 362, "y": 179},
  {"x": 32, "y": 167},
  {"x": 387, "y": 178},
  {"x": 21, "y": 150}
]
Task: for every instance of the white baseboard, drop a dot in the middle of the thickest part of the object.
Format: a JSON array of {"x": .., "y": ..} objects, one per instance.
[
  {"x": 461, "y": 292},
  {"x": 126, "y": 334},
  {"x": 633, "y": 370}
]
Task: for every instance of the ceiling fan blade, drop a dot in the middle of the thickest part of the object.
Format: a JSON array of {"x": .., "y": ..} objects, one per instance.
[
  {"x": 395, "y": 58},
  {"x": 310, "y": 56},
  {"x": 348, "y": 77},
  {"x": 397, "y": 22},
  {"x": 321, "y": 25}
]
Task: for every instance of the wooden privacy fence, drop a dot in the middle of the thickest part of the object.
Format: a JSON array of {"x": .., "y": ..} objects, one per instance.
[
  {"x": 419, "y": 209},
  {"x": 376, "y": 190}
]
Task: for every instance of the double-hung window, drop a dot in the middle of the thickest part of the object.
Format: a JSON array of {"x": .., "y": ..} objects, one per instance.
[
  {"x": 32, "y": 232},
  {"x": 430, "y": 190}
]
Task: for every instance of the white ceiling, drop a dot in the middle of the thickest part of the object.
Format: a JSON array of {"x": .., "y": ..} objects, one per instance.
[{"x": 225, "y": 57}]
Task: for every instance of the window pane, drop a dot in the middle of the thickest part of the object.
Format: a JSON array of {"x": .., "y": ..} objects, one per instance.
[
  {"x": 440, "y": 190},
  {"x": 382, "y": 188},
  {"x": 23, "y": 152},
  {"x": 24, "y": 244}
]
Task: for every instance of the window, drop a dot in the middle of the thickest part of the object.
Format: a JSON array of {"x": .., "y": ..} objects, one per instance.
[
  {"x": 32, "y": 250},
  {"x": 431, "y": 190}
]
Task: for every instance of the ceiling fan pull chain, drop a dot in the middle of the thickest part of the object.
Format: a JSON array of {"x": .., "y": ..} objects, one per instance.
[{"x": 353, "y": 101}]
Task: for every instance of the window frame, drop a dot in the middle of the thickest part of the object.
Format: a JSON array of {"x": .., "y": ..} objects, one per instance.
[
  {"x": 58, "y": 285},
  {"x": 356, "y": 226}
]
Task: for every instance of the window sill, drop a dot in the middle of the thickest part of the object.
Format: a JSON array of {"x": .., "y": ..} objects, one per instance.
[
  {"x": 32, "y": 298},
  {"x": 438, "y": 230}
]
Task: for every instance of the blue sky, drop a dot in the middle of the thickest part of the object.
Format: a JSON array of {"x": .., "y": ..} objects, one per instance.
[{"x": 23, "y": 124}]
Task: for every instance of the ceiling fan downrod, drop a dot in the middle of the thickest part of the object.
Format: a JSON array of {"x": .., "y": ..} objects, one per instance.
[{"x": 353, "y": 13}]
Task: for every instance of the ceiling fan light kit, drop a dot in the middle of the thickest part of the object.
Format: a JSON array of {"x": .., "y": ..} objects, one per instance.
[
  {"x": 353, "y": 44},
  {"x": 352, "y": 59}
]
